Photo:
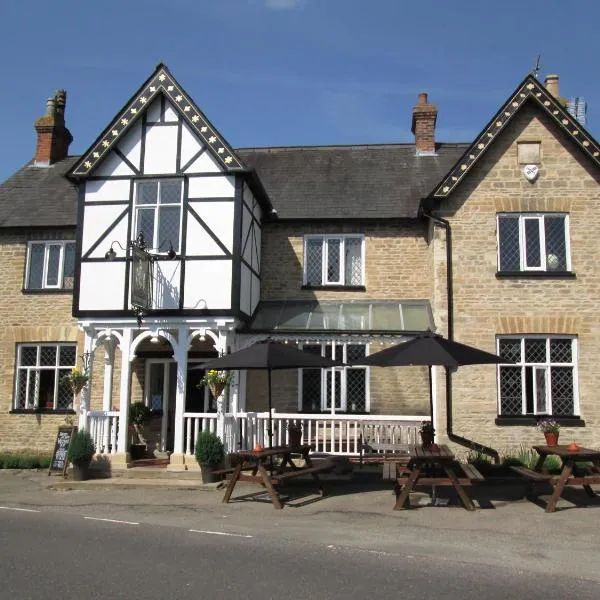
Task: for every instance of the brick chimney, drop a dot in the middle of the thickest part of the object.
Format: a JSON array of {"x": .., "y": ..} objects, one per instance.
[
  {"x": 53, "y": 138},
  {"x": 423, "y": 125},
  {"x": 551, "y": 83}
]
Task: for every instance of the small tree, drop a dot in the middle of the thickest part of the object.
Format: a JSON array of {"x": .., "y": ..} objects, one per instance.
[
  {"x": 82, "y": 449},
  {"x": 209, "y": 449}
]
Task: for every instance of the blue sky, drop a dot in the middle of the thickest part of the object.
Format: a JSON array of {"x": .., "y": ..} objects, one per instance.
[{"x": 290, "y": 72}]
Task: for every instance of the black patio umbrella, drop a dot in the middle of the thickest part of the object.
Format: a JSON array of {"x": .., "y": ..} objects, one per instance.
[
  {"x": 270, "y": 356},
  {"x": 430, "y": 349}
]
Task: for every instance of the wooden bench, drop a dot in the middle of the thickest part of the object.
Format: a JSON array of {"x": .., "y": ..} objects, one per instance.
[
  {"x": 531, "y": 474},
  {"x": 379, "y": 453},
  {"x": 279, "y": 477},
  {"x": 472, "y": 472}
]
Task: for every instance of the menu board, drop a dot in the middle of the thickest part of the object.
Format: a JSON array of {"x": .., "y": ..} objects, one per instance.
[{"x": 59, "y": 460}]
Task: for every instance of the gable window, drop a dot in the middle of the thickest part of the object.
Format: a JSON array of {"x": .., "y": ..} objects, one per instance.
[
  {"x": 40, "y": 372},
  {"x": 543, "y": 379},
  {"x": 533, "y": 242},
  {"x": 50, "y": 265},
  {"x": 335, "y": 390},
  {"x": 158, "y": 213},
  {"x": 333, "y": 260}
]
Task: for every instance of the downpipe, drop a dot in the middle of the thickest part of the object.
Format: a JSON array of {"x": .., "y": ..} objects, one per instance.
[{"x": 471, "y": 444}]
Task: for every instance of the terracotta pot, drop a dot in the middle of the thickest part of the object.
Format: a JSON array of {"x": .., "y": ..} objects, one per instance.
[
  {"x": 426, "y": 439},
  {"x": 551, "y": 438}
]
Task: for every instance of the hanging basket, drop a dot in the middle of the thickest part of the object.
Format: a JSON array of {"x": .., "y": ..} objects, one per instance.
[{"x": 216, "y": 388}]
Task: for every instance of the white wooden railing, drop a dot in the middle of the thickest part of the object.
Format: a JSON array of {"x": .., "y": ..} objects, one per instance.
[
  {"x": 334, "y": 434},
  {"x": 103, "y": 427}
]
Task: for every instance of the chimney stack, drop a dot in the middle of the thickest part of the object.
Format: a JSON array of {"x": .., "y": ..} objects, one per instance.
[
  {"x": 551, "y": 83},
  {"x": 53, "y": 138},
  {"x": 423, "y": 125}
]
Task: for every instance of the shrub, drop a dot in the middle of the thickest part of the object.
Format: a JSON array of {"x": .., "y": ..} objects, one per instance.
[
  {"x": 24, "y": 459},
  {"x": 209, "y": 449},
  {"x": 82, "y": 448}
]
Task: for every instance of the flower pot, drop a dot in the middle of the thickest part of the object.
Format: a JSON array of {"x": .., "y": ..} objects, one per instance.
[
  {"x": 81, "y": 471},
  {"x": 137, "y": 451},
  {"x": 426, "y": 439},
  {"x": 551, "y": 438},
  {"x": 295, "y": 437},
  {"x": 216, "y": 388},
  {"x": 208, "y": 474}
]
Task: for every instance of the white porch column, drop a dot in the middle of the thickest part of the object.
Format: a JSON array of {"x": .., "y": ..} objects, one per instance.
[
  {"x": 125, "y": 345},
  {"x": 221, "y": 347},
  {"x": 109, "y": 359},
  {"x": 180, "y": 353},
  {"x": 85, "y": 395}
]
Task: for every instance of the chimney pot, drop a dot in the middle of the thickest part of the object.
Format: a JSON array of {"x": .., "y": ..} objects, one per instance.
[
  {"x": 424, "y": 117},
  {"x": 53, "y": 138}
]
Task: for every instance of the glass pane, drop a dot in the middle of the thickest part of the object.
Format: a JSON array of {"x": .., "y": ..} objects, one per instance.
[
  {"x": 294, "y": 316},
  {"x": 32, "y": 392},
  {"x": 511, "y": 391},
  {"x": 311, "y": 389},
  {"x": 556, "y": 246},
  {"x": 535, "y": 351},
  {"x": 386, "y": 317},
  {"x": 356, "y": 387},
  {"x": 36, "y": 266},
  {"x": 417, "y": 317},
  {"x": 355, "y": 316},
  {"x": 355, "y": 352},
  {"x": 314, "y": 261},
  {"x": 168, "y": 228},
  {"x": 48, "y": 356},
  {"x": 510, "y": 349},
  {"x": 67, "y": 357},
  {"x": 541, "y": 400},
  {"x": 563, "y": 394},
  {"x": 21, "y": 399},
  {"x": 147, "y": 192},
  {"x": 69, "y": 266},
  {"x": 333, "y": 261},
  {"x": 353, "y": 261},
  {"x": 46, "y": 390},
  {"x": 54, "y": 252},
  {"x": 561, "y": 351},
  {"x": 145, "y": 224},
  {"x": 28, "y": 356},
  {"x": 532, "y": 243},
  {"x": 170, "y": 192},
  {"x": 508, "y": 238},
  {"x": 336, "y": 376},
  {"x": 64, "y": 398}
]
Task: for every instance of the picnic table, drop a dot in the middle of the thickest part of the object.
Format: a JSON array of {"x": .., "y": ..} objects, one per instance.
[
  {"x": 434, "y": 465},
  {"x": 570, "y": 474},
  {"x": 257, "y": 466}
]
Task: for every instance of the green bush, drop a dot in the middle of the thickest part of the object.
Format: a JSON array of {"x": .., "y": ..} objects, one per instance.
[
  {"x": 24, "y": 459},
  {"x": 528, "y": 457},
  {"x": 82, "y": 448},
  {"x": 209, "y": 449}
]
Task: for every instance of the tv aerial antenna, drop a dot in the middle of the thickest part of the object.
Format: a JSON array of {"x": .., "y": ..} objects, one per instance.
[{"x": 536, "y": 68}]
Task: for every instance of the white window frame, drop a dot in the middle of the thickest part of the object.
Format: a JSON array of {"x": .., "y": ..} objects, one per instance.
[
  {"x": 155, "y": 243},
  {"x": 523, "y": 217},
  {"x": 328, "y": 404},
  {"x": 545, "y": 367},
  {"x": 61, "y": 264},
  {"x": 326, "y": 238},
  {"x": 37, "y": 368}
]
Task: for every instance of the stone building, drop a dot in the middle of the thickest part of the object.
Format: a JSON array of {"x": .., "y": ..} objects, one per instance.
[{"x": 342, "y": 250}]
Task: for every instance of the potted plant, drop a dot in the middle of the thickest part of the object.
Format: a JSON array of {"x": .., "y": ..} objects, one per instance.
[
  {"x": 209, "y": 453},
  {"x": 76, "y": 380},
  {"x": 550, "y": 428},
  {"x": 139, "y": 414},
  {"x": 216, "y": 381},
  {"x": 80, "y": 454},
  {"x": 427, "y": 434},
  {"x": 295, "y": 433}
]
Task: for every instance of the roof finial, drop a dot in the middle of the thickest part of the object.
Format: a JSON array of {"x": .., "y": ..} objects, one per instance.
[{"x": 536, "y": 68}]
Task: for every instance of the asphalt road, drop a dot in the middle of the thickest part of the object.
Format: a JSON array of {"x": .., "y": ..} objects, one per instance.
[{"x": 49, "y": 554}]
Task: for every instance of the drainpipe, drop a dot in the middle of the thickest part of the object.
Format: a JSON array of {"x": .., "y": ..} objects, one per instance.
[{"x": 472, "y": 445}]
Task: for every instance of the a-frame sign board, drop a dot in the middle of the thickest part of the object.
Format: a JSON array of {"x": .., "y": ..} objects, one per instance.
[{"x": 60, "y": 460}]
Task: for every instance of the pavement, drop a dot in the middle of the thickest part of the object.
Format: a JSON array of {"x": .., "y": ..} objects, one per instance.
[{"x": 506, "y": 529}]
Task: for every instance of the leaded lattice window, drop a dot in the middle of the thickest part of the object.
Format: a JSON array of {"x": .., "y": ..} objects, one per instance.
[
  {"x": 533, "y": 242},
  {"x": 50, "y": 265},
  {"x": 543, "y": 380},
  {"x": 158, "y": 213},
  {"x": 40, "y": 376},
  {"x": 333, "y": 260},
  {"x": 339, "y": 389}
]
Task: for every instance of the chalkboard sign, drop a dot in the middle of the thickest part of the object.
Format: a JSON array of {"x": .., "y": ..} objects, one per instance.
[{"x": 59, "y": 460}]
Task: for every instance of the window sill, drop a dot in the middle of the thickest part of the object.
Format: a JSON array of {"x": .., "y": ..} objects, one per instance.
[
  {"x": 524, "y": 421},
  {"x": 47, "y": 291},
  {"x": 339, "y": 288},
  {"x": 536, "y": 274},
  {"x": 42, "y": 411}
]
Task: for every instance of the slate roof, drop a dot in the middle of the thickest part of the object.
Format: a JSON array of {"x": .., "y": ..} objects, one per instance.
[
  {"x": 320, "y": 182},
  {"x": 306, "y": 182},
  {"x": 39, "y": 197}
]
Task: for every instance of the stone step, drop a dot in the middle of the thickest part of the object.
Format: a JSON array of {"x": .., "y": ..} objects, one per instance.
[{"x": 155, "y": 473}]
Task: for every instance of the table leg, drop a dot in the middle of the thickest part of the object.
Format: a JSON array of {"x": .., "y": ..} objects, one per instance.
[
  {"x": 403, "y": 497},
  {"x": 459, "y": 489},
  {"x": 558, "y": 488},
  {"x": 267, "y": 483},
  {"x": 590, "y": 492},
  {"x": 234, "y": 479},
  {"x": 540, "y": 463}
]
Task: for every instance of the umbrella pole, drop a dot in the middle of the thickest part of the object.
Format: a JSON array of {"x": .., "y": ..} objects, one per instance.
[{"x": 431, "y": 396}]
